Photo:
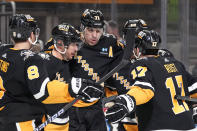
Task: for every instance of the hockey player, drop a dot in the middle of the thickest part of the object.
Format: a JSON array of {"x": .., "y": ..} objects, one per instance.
[
  {"x": 156, "y": 82},
  {"x": 24, "y": 81},
  {"x": 19, "y": 110},
  {"x": 65, "y": 41},
  {"x": 122, "y": 81},
  {"x": 98, "y": 55}
]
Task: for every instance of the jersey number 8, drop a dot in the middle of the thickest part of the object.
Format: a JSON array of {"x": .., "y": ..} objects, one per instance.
[{"x": 32, "y": 72}]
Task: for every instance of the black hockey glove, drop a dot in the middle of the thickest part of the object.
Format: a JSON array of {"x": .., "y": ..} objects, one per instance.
[
  {"x": 86, "y": 88},
  {"x": 119, "y": 108}
]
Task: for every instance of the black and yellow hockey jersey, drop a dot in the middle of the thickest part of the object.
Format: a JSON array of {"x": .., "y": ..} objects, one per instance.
[
  {"x": 17, "y": 102},
  {"x": 93, "y": 62},
  {"x": 57, "y": 70},
  {"x": 156, "y": 81},
  {"x": 122, "y": 82},
  {"x": 24, "y": 84}
]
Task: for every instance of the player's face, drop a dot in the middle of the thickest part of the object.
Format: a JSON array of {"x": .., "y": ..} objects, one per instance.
[
  {"x": 92, "y": 35},
  {"x": 60, "y": 45},
  {"x": 71, "y": 51}
]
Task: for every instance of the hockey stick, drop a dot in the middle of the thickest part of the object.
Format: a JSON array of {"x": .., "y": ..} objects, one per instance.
[
  {"x": 185, "y": 98},
  {"x": 130, "y": 39},
  {"x": 59, "y": 113}
]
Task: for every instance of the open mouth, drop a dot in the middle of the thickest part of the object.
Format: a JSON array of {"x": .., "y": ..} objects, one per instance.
[{"x": 93, "y": 41}]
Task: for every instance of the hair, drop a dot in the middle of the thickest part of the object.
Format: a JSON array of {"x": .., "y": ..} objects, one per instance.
[{"x": 113, "y": 24}]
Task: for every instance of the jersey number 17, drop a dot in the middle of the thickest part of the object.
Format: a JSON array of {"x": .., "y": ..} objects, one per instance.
[{"x": 177, "y": 107}]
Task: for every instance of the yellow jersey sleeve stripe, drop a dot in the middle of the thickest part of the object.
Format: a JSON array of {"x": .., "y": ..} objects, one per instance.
[
  {"x": 141, "y": 95},
  {"x": 194, "y": 95},
  {"x": 57, "y": 92}
]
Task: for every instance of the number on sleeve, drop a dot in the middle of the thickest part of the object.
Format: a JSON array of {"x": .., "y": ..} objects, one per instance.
[
  {"x": 32, "y": 72},
  {"x": 141, "y": 72}
]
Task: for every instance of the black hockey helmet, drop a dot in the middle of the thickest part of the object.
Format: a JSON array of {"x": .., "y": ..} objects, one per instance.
[
  {"x": 92, "y": 18},
  {"x": 66, "y": 33},
  {"x": 21, "y": 26},
  {"x": 148, "y": 42},
  {"x": 49, "y": 46},
  {"x": 165, "y": 53},
  {"x": 137, "y": 24}
]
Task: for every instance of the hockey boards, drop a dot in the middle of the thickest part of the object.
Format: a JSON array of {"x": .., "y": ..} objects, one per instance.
[{"x": 130, "y": 39}]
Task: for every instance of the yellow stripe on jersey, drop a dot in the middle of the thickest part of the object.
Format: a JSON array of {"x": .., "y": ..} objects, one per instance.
[
  {"x": 14, "y": 49},
  {"x": 109, "y": 92},
  {"x": 194, "y": 95},
  {"x": 120, "y": 44},
  {"x": 80, "y": 103},
  {"x": 25, "y": 126},
  {"x": 128, "y": 127},
  {"x": 48, "y": 52},
  {"x": 57, "y": 92},
  {"x": 55, "y": 127},
  {"x": 2, "y": 108},
  {"x": 141, "y": 95}
]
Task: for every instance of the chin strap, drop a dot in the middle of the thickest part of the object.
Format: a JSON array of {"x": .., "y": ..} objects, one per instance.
[
  {"x": 33, "y": 43},
  {"x": 137, "y": 56},
  {"x": 59, "y": 50},
  {"x": 62, "y": 53},
  {"x": 37, "y": 33}
]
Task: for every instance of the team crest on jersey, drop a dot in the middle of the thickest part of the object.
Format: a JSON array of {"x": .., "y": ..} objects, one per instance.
[
  {"x": 104, "y": 51},
  {"x": 27, "y": 54},
  {"x": 44, "y": 56},
  {"x": 59, "y": 78},
  {"x": 107, "y": 51}
]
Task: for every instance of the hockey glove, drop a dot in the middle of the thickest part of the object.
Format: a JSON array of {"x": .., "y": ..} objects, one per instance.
[
  {"x": 86, "y": 88},
  {"x": 119, "y": 108}
]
